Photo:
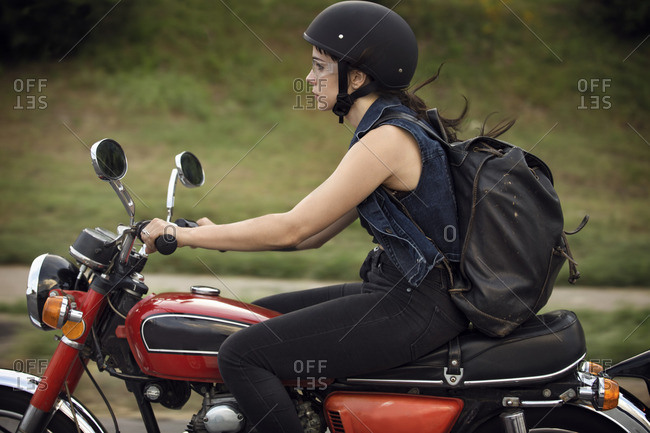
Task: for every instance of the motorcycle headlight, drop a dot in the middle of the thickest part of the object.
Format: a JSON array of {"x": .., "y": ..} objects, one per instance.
[{"x": 49, "y": 272}]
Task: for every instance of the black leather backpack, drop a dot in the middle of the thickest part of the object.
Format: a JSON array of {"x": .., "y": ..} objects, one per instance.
[{"x": 511, "y": 228}]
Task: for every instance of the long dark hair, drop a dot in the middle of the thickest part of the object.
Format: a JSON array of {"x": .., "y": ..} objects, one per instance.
[
  {"x": 452, "y": 125},
  {"x": 408, "y": 98}
]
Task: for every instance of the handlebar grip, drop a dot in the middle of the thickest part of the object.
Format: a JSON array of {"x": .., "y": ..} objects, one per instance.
[{"x": 166, "y": 244}]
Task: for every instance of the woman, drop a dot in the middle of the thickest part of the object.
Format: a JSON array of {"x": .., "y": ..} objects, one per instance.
[{"x": 395, "y": 179}]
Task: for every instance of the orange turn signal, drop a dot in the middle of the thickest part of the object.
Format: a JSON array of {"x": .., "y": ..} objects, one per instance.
[
  {"x": 74, "y": 330},
  {"x": 610, "y": 400},
  {"x": 54, "y": 311},
  {"x": 593, "y": 368}
]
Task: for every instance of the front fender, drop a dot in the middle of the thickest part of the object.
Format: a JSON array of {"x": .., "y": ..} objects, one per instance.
[{"x": 70, "y": 408}]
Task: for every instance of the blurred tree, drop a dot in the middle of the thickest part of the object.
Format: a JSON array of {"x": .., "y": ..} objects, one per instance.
[
  {"x": 625, "y": 18},
  {"x": 47, "y": 29}
]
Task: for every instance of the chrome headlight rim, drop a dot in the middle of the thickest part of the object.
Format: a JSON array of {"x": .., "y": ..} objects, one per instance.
[
  {"x": 32, "y": 292},
  {"x": 49, "y": 272}
]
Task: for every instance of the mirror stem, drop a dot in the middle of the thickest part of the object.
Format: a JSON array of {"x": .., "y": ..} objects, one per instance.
[
  {"x": 171, "y": 192},
  {"x": 126, "y": 199}
]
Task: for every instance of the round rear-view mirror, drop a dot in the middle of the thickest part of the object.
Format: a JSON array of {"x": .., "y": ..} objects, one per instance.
[
  {"x": 109, "y": 160},
  {"x": 190, "y": 170}
]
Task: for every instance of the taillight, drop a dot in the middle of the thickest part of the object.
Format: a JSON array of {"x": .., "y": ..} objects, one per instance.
[
  {"x": 591, "y": 367},
  {"x": 602, "y": 392},
  {"x": 609, "y": 398}
]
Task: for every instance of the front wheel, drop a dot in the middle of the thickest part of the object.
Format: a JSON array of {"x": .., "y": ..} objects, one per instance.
[{"x": 14, "y": 403}]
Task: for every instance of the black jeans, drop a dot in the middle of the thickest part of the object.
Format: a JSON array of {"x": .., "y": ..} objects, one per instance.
[{"x": 337, "y": 331}]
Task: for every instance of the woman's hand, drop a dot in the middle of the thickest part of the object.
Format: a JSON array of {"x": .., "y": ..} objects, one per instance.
[
  {"x": 155, "y": 229},
  {"x": 205, "y": 221},
  {"x": 158, "y": 227}
]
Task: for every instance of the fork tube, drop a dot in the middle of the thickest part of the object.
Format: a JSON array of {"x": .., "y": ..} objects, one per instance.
[
  {"x": 64, "y": 366},
  {"x": 75, "y": 373}
]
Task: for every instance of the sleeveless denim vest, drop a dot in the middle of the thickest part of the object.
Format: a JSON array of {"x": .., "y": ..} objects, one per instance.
[{"x": 431, "y": 205}]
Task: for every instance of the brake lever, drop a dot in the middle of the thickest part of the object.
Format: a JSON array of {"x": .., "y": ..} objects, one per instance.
[{"x": 182, "y": 222}]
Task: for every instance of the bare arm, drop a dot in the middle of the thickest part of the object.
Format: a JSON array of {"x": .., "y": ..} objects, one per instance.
[
  {"x": 319, "y": 239},
  {"x": 386, "y": 155}
]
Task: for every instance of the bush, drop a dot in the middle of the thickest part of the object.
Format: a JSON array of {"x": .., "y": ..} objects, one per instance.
[
  {"x": 624, "y": 18},
  {"x": 48, "y": 30}
]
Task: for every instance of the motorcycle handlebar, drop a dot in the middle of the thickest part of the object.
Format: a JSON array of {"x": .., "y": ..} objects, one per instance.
[{"x": 166, "y": 244}]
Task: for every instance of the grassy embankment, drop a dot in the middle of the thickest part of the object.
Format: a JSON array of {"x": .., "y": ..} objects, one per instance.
[{"x": 191, "y": 76}]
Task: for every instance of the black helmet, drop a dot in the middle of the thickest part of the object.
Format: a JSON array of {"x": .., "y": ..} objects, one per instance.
[{"x": 369, "y": 37}]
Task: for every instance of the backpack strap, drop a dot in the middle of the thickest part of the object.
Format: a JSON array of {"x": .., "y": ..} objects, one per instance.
[
  {"x": 436, "y": 122},
  {"x": 433, "y": 127},
  {"x": 436, "y": 131},
  {"x": 574, "y": 274}
]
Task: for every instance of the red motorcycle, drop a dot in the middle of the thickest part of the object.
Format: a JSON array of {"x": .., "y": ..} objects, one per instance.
[{"x": 165, "y": 346}]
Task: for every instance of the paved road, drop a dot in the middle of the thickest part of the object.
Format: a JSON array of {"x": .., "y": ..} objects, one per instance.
[
  {"x": 13, "y": 281},
  {"x": 136, "y": 426}
]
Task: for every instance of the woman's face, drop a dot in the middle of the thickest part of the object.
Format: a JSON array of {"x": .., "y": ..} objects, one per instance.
[{"x": 323, "y": 78}]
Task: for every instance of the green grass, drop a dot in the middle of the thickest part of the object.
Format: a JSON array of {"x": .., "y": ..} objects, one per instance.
[
  {"x": 192, "y": 76},
  {"x": 614, "y": 336}
]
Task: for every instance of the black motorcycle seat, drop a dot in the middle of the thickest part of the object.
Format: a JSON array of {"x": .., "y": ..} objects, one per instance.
[{"x": 542, "y": 348}]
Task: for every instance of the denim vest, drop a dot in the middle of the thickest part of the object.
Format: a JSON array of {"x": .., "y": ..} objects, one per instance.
[{"x": 431, "y": 205}]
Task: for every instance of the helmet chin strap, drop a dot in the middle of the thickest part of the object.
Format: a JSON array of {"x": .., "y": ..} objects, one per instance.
[{"x": 344, "y": 100}]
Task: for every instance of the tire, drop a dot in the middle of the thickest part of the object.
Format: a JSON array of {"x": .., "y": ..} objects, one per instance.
[
  {"x": 565, "y": 419},
  {"x": 556, "y": 430},
  {"x": 13, "y": 405}
]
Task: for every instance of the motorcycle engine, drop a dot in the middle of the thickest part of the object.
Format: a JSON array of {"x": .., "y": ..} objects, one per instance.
[
  {"x": 221, "y": 414},
  {"x": 311, "y": 420},
  {"x": 218, "y": 415}
]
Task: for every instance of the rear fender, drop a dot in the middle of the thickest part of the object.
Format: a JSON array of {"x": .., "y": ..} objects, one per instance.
[
  {"x": 574, "y": 417},
  {"x": 23, "y": 382},
  {"x": 626, "y": 415},
  {"x": 629, "y": 415},
  {"x": 637, "y": 367}
]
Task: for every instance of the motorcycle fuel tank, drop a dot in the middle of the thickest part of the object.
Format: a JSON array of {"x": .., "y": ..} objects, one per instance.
[{"x": 178, "y": 335}]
